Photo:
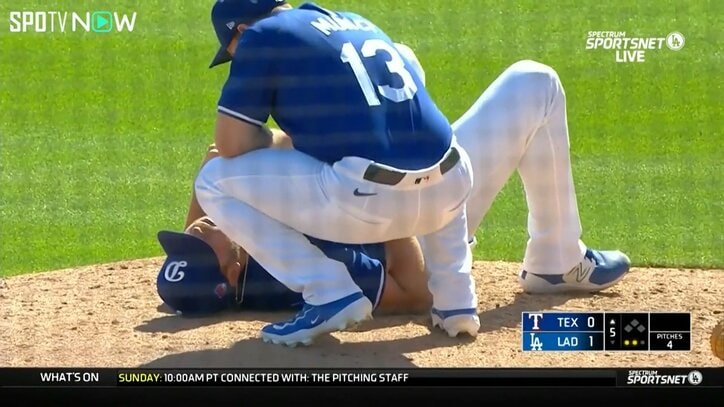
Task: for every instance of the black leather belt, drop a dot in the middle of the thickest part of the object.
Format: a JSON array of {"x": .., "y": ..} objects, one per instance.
[{"x": 381, "y": 175}]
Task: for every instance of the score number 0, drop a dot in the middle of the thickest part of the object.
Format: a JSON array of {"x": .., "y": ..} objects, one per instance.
[{"x": 591, "y": 323}]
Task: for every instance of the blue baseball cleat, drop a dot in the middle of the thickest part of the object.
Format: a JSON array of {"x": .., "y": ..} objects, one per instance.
[
  {"x": 597, "y": 271},
  {"x": 457, "y": 321},
  {"x": 314, "y": 320}
]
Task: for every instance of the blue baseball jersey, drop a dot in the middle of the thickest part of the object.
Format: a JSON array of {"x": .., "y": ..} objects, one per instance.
[
  {"x": 338, "y": 86},
  {"x": 258, "y": 290}
]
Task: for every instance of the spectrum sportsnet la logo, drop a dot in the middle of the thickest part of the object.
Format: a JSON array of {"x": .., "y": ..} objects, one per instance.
[
  {"x": 652, "y": 378},
  {"x": 70, "y": 21},
  {"x": 632, "y": 49}
]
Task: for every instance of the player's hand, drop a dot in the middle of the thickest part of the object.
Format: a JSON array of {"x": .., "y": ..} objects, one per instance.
[
  {"x": 211, "y": 152},
  {"x": 280, "y": 139}
]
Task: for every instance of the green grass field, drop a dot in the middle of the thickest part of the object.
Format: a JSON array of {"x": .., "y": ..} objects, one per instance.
[{"x": 102, "y": 134}]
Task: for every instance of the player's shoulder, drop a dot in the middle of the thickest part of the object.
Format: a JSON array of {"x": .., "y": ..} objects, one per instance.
[
  {"x": 281, "y": 28},
  {"x": 283, "y": 21},
  {"x": 265, "y": 35},
  {"x": 310, "y": 14}
]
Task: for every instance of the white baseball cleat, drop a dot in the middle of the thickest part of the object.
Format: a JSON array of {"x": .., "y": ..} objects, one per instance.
[{"x": 458, "y": 321}]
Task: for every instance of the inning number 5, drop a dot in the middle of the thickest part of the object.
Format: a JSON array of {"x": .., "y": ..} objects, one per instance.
[{"x": 395, "y": 65}]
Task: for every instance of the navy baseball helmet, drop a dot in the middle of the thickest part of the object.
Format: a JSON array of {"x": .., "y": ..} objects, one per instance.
[
  {"x": 190, "y": 279},
  {"x": 226, "y": 15}
]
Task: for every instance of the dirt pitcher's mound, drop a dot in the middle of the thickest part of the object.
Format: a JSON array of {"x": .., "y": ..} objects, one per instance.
[{"x": 110, "y": 316}]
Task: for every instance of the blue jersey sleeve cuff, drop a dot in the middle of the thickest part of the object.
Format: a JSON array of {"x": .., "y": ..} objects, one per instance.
[{"x": 240, "y": 116}]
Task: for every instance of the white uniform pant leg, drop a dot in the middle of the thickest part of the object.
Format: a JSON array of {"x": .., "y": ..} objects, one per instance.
[
  {"x": 447, "y": 256},
  {"x": 249, "y": 198},
  {"x": 519, "y": 122},
  {"x": 448, "y": 264}
]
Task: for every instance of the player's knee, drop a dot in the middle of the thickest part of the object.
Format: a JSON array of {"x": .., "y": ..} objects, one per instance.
[
  {"x": 206, "y": 178},
  {"x": 536, "y": 79},
  {"x": 536, "y": 70}
]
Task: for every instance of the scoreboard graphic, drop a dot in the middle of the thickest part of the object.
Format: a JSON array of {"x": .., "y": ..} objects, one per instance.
[{"x": 606, "y": 331}]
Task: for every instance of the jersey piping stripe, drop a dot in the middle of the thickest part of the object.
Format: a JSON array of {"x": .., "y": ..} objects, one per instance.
[
  {"x": 383, "y": 281},
  {"x": 238, "y": 115}
]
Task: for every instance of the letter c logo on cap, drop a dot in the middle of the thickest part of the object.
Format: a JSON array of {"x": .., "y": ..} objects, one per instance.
[{"x": 173, "y": 272}]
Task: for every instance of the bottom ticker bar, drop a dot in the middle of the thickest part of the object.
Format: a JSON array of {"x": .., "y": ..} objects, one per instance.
[
  {"x": 25, "y": 377},
  {"x": 38, "y": 377}
]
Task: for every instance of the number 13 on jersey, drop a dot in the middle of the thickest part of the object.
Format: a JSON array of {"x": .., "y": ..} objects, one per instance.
[{"x": 395, "y": 66}]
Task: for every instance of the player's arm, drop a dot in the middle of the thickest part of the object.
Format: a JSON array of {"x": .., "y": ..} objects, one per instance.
[
  {"x": 237, "y": 137},
  {"x": 234, "y": 137},
  {"x": 247, "y": 96},
  {"x": 195, "y": 212},
  {"x": 406, "y": 286}
]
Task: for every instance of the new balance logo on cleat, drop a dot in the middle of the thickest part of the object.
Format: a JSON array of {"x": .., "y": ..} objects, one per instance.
[
  {"x": 579, "y": 272},
  {"x": 597, "y": 270}
]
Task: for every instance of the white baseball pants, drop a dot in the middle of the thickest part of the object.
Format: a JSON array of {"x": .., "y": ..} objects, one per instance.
[
  {"x": 519, "y": 123},
  {"x": 267, "y": 200}
]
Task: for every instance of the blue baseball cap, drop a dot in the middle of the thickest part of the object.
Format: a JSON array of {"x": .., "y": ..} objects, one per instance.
[
  {"x": 226, "y": 15},
  {"x": 190, "y": 279}
]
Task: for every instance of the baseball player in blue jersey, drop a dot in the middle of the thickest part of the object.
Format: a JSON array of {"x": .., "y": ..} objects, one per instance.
[{"x": 374, "y": 160}]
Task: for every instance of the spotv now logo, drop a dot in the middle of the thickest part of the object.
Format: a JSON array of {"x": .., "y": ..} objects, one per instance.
[{"x": 65, "y": 21}]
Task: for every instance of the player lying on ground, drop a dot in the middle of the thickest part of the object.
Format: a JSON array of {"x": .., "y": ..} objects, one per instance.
[{"x": 206, "y": 272}]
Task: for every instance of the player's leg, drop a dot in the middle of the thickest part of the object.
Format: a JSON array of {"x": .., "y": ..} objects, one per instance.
[
  {"x": 495, "y": 131},
  {"x": 397, "y": 298},
  {"x": 516, "y": 124},
  {"x": 447, "y": 255},
  {"x": 194, "y": 210},
  {"x": 448, "y": 263},
  {"x": 231, "y": 191},
  {"x": 405, "y": 288},
  {"x": 519, "y": 122},
  {"x": 556, "y": 260}
]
